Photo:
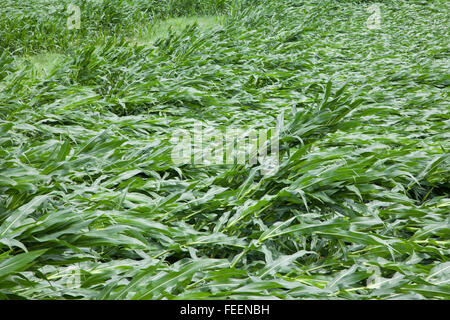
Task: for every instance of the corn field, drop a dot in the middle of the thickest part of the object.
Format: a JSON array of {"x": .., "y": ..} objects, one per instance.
[{"x": 93, "y": 205}]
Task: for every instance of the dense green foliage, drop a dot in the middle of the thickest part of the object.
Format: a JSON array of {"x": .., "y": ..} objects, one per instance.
[
  {"x": 92, "y": 207},
  {"x": 31, "y": 26}
]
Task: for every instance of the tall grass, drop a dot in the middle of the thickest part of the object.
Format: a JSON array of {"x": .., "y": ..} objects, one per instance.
[{"x": 33, "y": 26}]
